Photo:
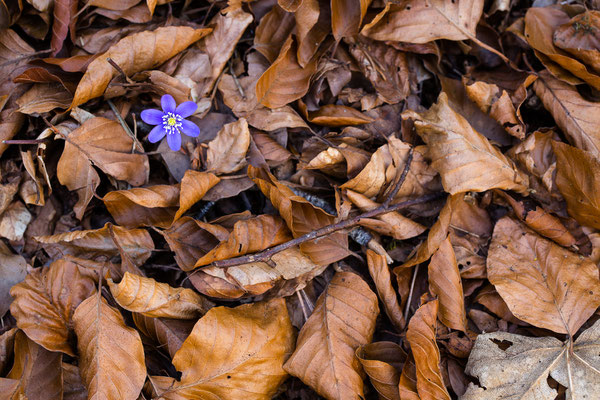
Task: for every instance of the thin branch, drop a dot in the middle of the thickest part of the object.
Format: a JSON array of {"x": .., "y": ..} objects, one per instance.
[
  {"x": 119, "y": 69},
  {"x": 410, "y": 293},
  {"x": 135, "y": 143},
  {"x": 25, "y": 141},
  {"x": 324, "y": 231},
  {"x": 401, "y": 180}
]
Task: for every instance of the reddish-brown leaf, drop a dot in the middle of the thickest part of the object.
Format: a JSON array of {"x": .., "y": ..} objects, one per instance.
[
  {"x": 380, "y": 272},
  {"x": 382, "y": 361}
]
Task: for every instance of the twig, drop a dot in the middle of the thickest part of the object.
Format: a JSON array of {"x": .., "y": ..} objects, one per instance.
[
  {"x": 324, "y": 231},
  {"x": 119, "y": 69},
  {"x": 410, "y": 292},
  {"x": 401, "y": 180},
  {"x": 235, "y": 80},
  {"x": 26, "y": 56},
  {"x": 25, "y": 141},
  {"x": 135, "y": 143}
]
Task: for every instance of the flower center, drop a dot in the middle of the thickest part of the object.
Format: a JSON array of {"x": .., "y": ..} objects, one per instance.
[{"x": 171, "y": 122}]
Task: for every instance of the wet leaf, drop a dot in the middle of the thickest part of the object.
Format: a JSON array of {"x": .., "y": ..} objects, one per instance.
[
  {"x": 342, "y": 321},
  {"x": 111, "y": 353},
  {"x": 234, "y": 353},
  {"x": 159, "y": 300},
  {"x": 542, "y": 283}
]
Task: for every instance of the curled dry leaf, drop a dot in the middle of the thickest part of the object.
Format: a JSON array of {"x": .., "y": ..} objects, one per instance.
[
  {"x": 578, "y": 118},
  {"x": 135, "y": 53},
  {"x": 408, "y": 380},
  {"x": 44, "y": 310},
  {"x": 194, "y": 186},
  {"x": 155, "y": 299},
  {"x": 313, "y": 25},
  {"x": 227, "y": 152},
  {"x": 424, "y": 21},
  {"x": 301, "y": 218},
  {"x": 38, "y": 370},
  {"x": 342, "y": 321},
  {"x": 154, "y": 205},
  {"x": 249, "y": 236},
  {"x": 272, "y": 31},
  {"x": 44, "y": 97},
  {"x": 14, "y": 221},
  {"x": 382, "y": 361},
  {"x": 285, "y": 80},
  {"x": 334, "y": 115},
  {"x": 167, "y": 333},
  {"x": 380, "y": 272},
  {"x": 445, "y": 284},
  {"x": 542, "y": 283},
  {"x": 234, "y": 353},
  {"x": 579, "y": 37},
  {"x": 98, "y": 243},
  {"x": 465, "y": 159},
  {"x": 514, "y": 366},
  {"x": 347, "y": 17},
  {"x": 102, "y": 143},
  {"x": 421, "y": 336},
  {"x": 111, "y": 355},
  {"x": 289, "y": 271},
  {"x": 578, "y": 179}
]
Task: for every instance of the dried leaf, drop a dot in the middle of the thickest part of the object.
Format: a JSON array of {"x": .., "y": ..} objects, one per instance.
[
  {"x": 424, "y": 21},
  {"x": 14, "y": 221},
  {"x": 523, "y": 368},
  {"x": 111, "y": 354},
  {"x": 579, "y": 37},
  {"x": 285, "y": 80},
  {"x": 465, "y": 159},
  {"x": 380, "y": 273},
  {"x": 382, "y": 361},
  {"x": 421, "y": 336},
  {"x": 334, "y": 115},
  {"x": 542, "y": 283},
  {"x": 313, "y": 24},
  {"x": 159, "y": 300},
  {"x": 234, "y": 353},
  {"x": 44, "y": 97},
  {"x": 272, "y": 31},
  {"x": 168, "y": 333},
  {"x": 43, "y": 307},
  {"x": 347, "y": 17},
  {"x": 13, "y": 269},
  {"x": 194, "y": 186},
  {"x": 577, "y": 178},
  {"x": 445, "y": 284},
  {"x": 342, "y": 321},
  {"x": 135, "y": 53},
  {"x": 227, "y": 152},
  {"x": 64, "y": 19}
]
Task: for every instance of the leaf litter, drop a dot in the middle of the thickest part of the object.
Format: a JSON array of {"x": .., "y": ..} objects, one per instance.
[{"x": 354, "y": 200}]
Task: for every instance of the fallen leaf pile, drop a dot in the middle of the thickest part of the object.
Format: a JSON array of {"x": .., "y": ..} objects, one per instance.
[{"x": 387, "y": 200}]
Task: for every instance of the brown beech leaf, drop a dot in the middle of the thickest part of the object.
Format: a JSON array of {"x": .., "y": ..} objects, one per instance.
[
  {"x": 44, "y": 308},
  {"x": 135, "y": 53},
  {"x": 234, "y": 353},
  {"x": 64, "y": 19},
  {"x": 347, "y": 17},
  {"x": 111, "y": 354},
  {"x": 393, "y": 223},
  {"x": 44, "y": 97},
  {"x": 579, "y": 37},
  {"x": 542, "y": 283},
  {"x": 7, "y": 341},
  {"x": 382, "y": 361},
  {"x": 578, "y": 179},
  {"x": 227, "y": 152},
  {"x": 408, "y": 380},
  {"x": 194, "y": 186},
  {"x": 519, "y": 367},
  {"x": 13, "y": 269},
  {"x": 380, "y": 272},
  {"x": 153, "y": 205},
  {"x": 490, "y": 299},
  {"x": 465, "y": 159},
  {"x": 424, "y": 21},
  {"x": 39, "y": 370},
  {"x": 313, "y": 24},
  {"x": 334, "y": 115},
  {"x": 272, "y": 31},
  {"x": 342, "y": 321},
  {"x": 285, "y": 80},
  {"x": 168, "y": 333},
  {"x": 445, "y": 284},
  {"x": 289, "y": 271},
  {"x": 155, "y": 299},
  {"x": 578, "y": 118},
  {"x": 301, "y": 218},
  {"x": 73, "y": 387},
  {"x": 249, "y": 236},
  {"x": 421, "y": 336},
  {"x": 98, "y": 243},
  {"x": 274, "y": 153}
]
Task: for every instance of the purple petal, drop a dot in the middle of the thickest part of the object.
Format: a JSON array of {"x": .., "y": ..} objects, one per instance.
[
  {"x": 152, "y": 117},
  {"x": 156, "y": 134},
  {"x": 174, "y": 141},
  {"x": 189, "y": 128},
  {"x": 168, "y": 103},
  {"x": 186, "y": 109}
]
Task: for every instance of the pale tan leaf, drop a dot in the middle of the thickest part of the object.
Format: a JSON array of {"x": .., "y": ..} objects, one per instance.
[
  {"x": 233, "y": 353},
  {"x": 445, "y": 283},
  {"x": 155, "y": 299},
  {"x": 342, "y": 321},
  {"x": 421, "y": 336},
  {"x": 227, "y": 152},
  {"x": 14, "y": 221},
  {"x": 44, "y": 97},
  {"x": 135, "y": 53},
  {"x": 44, "y": 308},
  {"x": 111, "y": 354},
  {"x": 465, "y": 159},
  {"x": 541, "y": 282}
]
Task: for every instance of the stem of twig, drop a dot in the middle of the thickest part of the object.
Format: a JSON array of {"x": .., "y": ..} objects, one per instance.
[
  {"x": 119, "y": 69},
  {"x": 135, "y": 143},
  {"x": 324, "y": 231},
  {"x": 410, "y": 292},
  {"x": 401, "y": 180},
  {"x": 25, "y": 141}
]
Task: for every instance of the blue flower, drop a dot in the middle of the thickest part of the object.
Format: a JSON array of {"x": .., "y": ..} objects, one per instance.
[{"x": 170, "y": 121}]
